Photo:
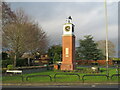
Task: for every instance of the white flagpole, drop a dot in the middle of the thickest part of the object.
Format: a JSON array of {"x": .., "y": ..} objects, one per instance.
[{"x": 106, "y": 24}]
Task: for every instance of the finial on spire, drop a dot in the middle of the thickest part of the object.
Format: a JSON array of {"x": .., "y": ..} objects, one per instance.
[{"x": 69, "y": 19}]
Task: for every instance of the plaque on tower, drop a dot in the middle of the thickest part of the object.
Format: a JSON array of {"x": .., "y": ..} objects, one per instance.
[
  {"x": 67, "y": 52},
  {"x": 68, "y": 45}
]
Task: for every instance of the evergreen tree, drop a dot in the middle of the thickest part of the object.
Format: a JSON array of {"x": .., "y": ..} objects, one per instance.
[
  {"x": 88, "y": 49},
  {"x": 55, "y": 53},
  {"x": 4, "y": 56}
]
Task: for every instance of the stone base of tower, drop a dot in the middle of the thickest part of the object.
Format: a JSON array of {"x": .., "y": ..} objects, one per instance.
[{"x": 67, "y": 67}]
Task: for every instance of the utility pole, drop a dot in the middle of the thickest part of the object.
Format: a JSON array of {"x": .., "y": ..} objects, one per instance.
[{"x": 106, "y": 24}]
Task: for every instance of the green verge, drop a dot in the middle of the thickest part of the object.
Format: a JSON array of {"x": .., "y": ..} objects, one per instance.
[{"x": 62, "y": 78}]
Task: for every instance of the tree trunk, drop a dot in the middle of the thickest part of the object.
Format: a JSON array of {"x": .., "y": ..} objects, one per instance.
[
  {"x": 14, "y": 63},
  {"x": 28, "y": 61}
]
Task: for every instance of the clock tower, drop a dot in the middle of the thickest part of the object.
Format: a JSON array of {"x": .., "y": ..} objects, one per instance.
[{"x": 68, "y": 45}]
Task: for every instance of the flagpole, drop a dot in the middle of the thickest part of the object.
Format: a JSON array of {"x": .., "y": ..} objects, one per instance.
[{"x": 106, "y": 24}]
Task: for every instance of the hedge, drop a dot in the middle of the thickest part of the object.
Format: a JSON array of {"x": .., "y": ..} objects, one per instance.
[{"x": 6, "y": 62}]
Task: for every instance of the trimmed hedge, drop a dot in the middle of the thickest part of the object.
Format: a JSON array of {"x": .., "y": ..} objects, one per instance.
[{"x": 19, "y": 62}]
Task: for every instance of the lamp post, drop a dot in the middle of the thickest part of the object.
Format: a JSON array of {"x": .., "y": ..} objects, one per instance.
[{"x": 106, "y": 24}]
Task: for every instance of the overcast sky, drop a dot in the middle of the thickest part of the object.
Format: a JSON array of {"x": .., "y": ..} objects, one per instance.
[{"x": 88, "y": 17}]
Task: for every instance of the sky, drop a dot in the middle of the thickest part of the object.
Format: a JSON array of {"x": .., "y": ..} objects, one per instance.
[{"x": 88, "y": 17}]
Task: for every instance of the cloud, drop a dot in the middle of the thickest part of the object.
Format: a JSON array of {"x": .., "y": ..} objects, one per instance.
[{"x": 88, "y": 17}]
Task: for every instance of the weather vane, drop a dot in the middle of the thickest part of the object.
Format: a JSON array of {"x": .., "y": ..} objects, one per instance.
[{"x": 69, "y": 19}]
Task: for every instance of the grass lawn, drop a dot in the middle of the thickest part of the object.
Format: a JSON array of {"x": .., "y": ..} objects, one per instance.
[{"x": 62, "y": 78}]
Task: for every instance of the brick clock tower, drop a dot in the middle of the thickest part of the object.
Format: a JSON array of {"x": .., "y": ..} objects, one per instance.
[{"x": 68, "y": 45}]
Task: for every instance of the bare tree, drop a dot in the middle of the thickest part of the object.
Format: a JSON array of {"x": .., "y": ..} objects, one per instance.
[
  {"x": 0, "y": 28},
  {"x": 24, "y": 35},
  {"x": 8, "y": 15},
  {"x": 111, "y": 47}
]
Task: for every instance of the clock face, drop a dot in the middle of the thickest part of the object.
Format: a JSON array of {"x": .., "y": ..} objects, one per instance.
[{"x": 67, "y": 28}]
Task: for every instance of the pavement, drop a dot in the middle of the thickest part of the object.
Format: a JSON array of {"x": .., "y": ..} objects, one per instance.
[{"x": 60, "y": 85}]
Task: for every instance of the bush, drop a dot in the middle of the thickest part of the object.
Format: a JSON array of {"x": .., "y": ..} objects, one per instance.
[
  {"x": 4, "y": 70},
  {"x": 21, "y": 62},
  {"x": 9, "y": 67},
  {"x": 6, "y": 62}
]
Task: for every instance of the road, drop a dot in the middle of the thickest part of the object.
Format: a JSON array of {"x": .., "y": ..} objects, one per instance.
[{"x": 107, "y": 86}]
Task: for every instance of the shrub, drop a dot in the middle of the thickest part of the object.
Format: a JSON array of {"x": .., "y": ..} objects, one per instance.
[
  {"x": 6, "y": 62},
  {"x": 4, "y": 70},
  {"x": 9, "y": 67},
  {"x": 21, "y": 62}
]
